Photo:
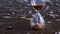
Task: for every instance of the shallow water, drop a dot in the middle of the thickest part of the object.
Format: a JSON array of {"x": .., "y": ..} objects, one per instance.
[{"x": 21, "y": 8}]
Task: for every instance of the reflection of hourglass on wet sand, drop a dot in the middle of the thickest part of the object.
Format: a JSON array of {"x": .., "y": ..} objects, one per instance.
[{"x": 38, "y": 5}]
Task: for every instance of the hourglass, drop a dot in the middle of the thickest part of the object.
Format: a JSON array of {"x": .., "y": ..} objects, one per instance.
[{"x": 37, "y": 20}]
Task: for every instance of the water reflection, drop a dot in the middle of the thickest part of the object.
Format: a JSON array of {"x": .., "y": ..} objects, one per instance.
[{"x": 57, "y": 32}]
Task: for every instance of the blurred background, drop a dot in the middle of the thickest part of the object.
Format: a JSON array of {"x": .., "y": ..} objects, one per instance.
[{"x": 12, "y": 10}]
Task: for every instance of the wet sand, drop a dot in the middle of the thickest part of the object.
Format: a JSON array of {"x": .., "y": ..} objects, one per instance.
[{"x": 21, "y": 26}]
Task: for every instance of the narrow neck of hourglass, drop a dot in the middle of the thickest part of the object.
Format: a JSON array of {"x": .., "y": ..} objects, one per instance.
[{"x": 37, "y": 11}]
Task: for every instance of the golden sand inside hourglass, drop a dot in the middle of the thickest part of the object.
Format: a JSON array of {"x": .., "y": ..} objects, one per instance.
[
  {"x": 39, "y": 26},
  {"x": 38, "y": 7}
]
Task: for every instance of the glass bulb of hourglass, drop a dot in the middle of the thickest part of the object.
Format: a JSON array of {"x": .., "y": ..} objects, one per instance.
[{"x": 38, "y": 4}]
